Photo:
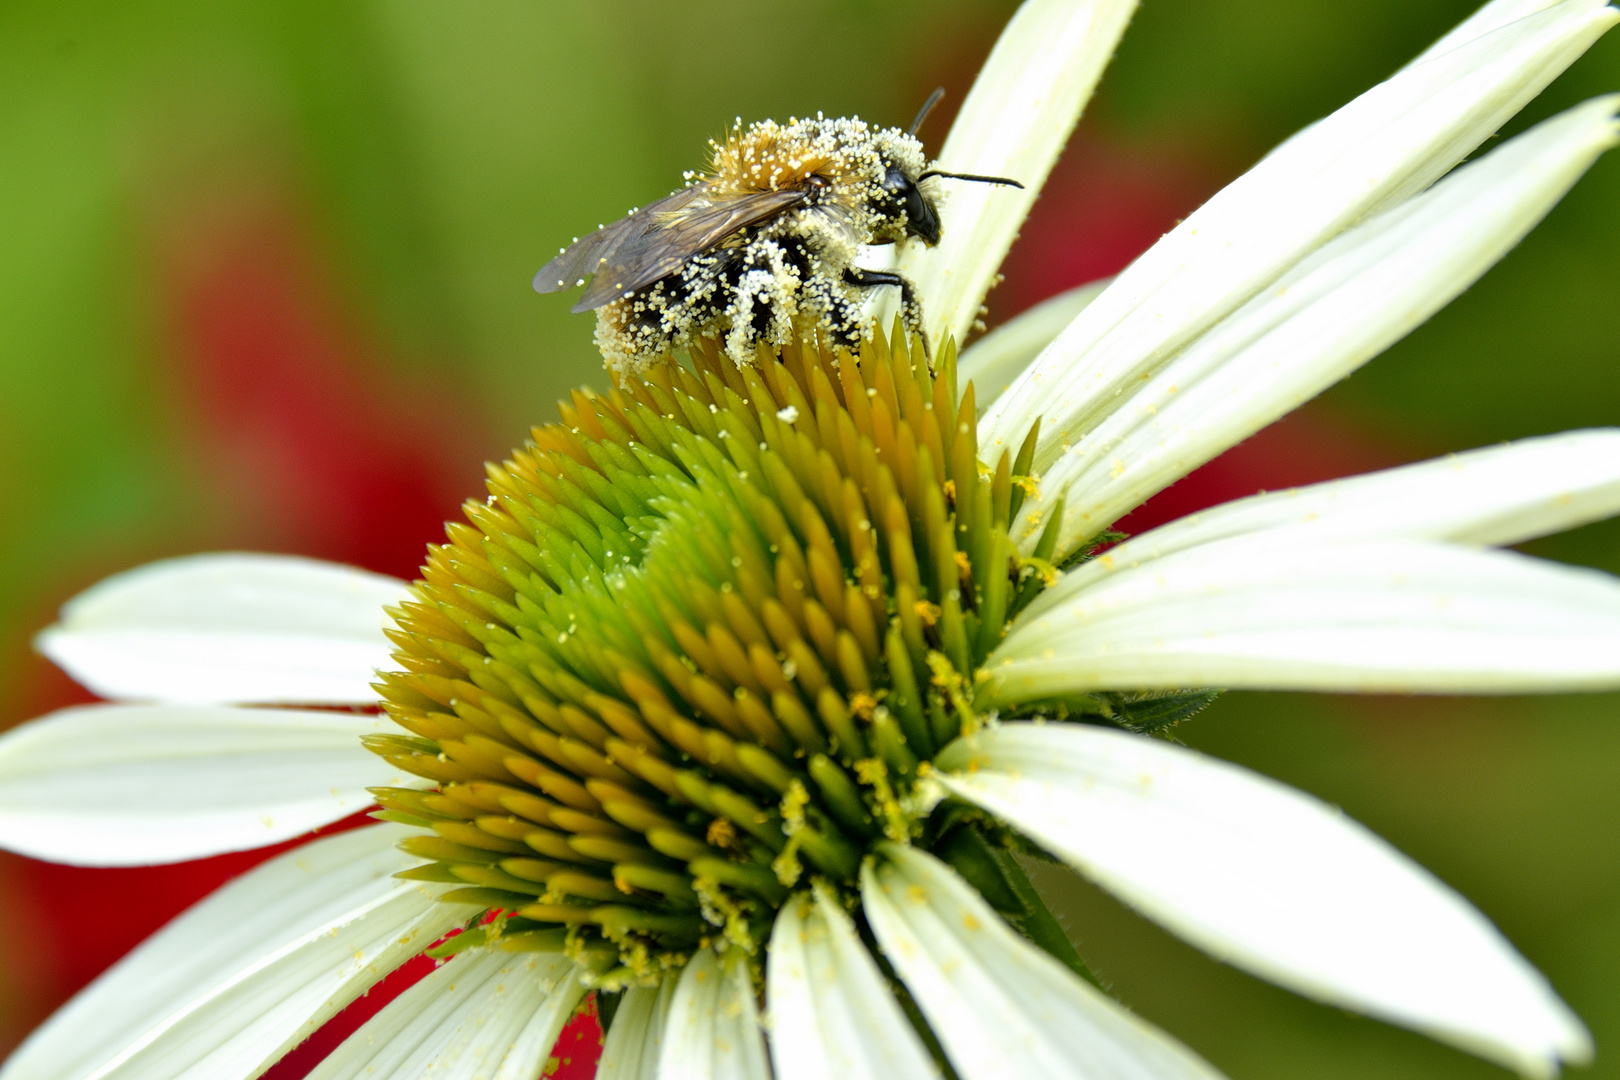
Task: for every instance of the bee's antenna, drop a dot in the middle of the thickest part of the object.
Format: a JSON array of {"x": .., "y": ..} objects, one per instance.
[
  {"x": 928, "y": 107},
  {"x": 971, "y": 176}
]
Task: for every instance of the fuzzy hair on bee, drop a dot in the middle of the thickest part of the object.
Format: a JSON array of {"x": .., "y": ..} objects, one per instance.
[{"x": 763, "y": 242}]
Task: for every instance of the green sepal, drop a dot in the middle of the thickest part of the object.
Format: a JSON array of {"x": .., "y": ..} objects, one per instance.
[
  {"x": 607, "y": 1005},
  {"x": 1150, "y": 713},
  {"x": 993, "y": 870},
  {"x": 1090, "y": 550},
  {"x": 467, "y": 939},
  {"x": 1038, "y": 923},
  {"x": 970, "y": 855}
]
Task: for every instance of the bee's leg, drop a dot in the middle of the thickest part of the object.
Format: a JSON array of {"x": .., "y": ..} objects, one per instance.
[
  {"x": 841, "y": 318},
  {"x": 910, "y": 307}
]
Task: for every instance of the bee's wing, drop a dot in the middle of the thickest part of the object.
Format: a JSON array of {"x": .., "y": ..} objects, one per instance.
[
  {"x": 643, "y": 256},
  {"x": 585, "y": 255}
]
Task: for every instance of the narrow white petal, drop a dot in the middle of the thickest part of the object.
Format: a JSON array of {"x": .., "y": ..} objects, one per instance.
[
  {"x": 1373, "y": 617},
  {"x": 1271, "y": 880},
  {"x": 131, "y": 785},
  {"x": 1014, "y": 123},
  {"x": 248, "y": 973},
  {"x": 229, "y": 628},
  {"x": 1493, "y": 16},
  {"x": 713, "y": 1028},
  {"x": 1337, "y": 309},
  {"x": 487, "y": 1014},
  {"x": 831, "y": 1014},
  {"x": 995, "y": 360},
  {"x": 1373, "y": 153},
  {"x": 633, "y": 1043},
  {"x": 1496, "y": 495},
  {"x": 1003, "y": 1009}
]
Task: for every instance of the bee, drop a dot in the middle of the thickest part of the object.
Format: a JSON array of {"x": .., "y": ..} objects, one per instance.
[{"x": 762, "y": 243}]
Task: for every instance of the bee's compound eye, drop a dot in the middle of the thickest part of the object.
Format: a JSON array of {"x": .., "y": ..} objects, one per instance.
[
  {"x": 922, "y": 220},
  {"x": 917, "y": 209}
]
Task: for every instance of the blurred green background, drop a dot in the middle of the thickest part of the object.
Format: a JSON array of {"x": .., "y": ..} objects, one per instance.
[{"x": 264, "y": 284}]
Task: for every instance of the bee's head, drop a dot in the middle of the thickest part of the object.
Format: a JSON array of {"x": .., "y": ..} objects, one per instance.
[{"x": 906, "y": 198}]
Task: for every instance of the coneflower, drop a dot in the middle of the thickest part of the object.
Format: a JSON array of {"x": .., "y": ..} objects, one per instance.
[{"x": 702, "y": 644}]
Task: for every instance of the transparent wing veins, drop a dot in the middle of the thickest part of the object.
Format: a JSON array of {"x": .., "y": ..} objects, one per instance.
[{"x": 653, "y": 242}]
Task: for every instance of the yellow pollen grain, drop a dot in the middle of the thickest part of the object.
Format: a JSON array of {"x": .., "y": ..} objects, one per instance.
[{"x": 722, "y": 833}]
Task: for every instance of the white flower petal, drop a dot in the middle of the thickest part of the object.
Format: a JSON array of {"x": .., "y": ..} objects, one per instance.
[
  {"x": 633, "y": 1043},
  {"x": 229, "y": 628},
  {"x": 1493, "y": 16},
  {"x": 1386, "y": 145},
  {"x": 831, "y": 1014},
  {"x": 995, "y": 360},
  {"x": 131, "y": 785},
  {"x": 713, "y": 1028},
  {"x": 487, "y": 1014},
  {"x": 1271, "y": 880},
  {"x": 1496, "y": 495},
  {"x": 1014, "y": 123},
  {"x": 1003, "y": 1009},
  {"x": 248, "y": 973},
  {"x": 1372, "y": 617},
  {"x": 1341, "y": 306}
]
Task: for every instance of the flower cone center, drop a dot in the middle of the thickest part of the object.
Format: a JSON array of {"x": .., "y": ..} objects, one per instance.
[{"x": 700, "y": 641}]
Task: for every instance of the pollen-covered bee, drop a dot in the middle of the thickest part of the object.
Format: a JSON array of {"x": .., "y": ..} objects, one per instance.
[{"x": 762, "y": 242}]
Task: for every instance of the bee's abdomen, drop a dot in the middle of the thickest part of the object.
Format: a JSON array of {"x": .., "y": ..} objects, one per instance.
[{"x": 748, "y": 292}]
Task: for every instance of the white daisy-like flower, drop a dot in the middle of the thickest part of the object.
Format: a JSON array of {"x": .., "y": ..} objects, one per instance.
[{"x": 744, "y": 694}]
